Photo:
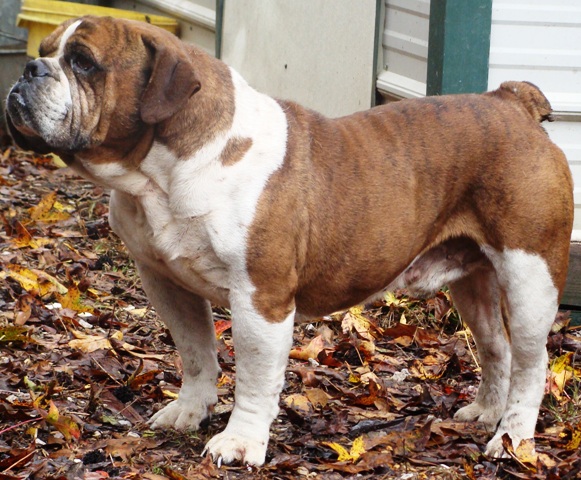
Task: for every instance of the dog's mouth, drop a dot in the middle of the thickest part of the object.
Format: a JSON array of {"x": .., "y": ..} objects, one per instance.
[{"x": 19, "y": 111}]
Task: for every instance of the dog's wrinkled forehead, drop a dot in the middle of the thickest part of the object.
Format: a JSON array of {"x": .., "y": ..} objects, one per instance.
[
  {"x": 98, "y": 35},
  {"x": 66, "y": 35},
  {"x": 54, "y": 44}
]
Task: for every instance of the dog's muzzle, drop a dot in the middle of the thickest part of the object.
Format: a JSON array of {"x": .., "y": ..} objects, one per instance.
[{"x": 18, "y": 103}]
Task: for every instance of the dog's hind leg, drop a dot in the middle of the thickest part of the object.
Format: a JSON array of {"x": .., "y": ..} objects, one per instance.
[
  {"x": 532, "y": 303},
  {"x": 189, "y": 319},
  {"x": 477, "y": 298}
]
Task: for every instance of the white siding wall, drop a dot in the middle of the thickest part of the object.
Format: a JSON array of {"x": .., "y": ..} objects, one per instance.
[
  {"x": 405, "y": 48},
  {"x": 316, "y": 52}
]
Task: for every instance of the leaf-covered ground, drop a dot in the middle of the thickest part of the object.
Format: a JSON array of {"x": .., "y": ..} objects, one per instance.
[{"x": 370, "y": 392}]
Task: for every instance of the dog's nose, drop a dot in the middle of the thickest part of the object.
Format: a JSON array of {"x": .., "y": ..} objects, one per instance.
[{"x": 35, "y": 68}]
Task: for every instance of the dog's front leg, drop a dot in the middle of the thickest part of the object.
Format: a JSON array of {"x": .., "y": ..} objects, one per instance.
[
  {"x": 261, "y": 349},
  {"x": 189, "y": 319}
]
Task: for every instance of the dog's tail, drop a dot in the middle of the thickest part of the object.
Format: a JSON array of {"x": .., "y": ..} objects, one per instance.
[{"x": 530, "y": 96}]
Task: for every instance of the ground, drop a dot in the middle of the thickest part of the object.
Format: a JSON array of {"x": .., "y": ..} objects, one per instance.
[{"x": 369, "y": 393}]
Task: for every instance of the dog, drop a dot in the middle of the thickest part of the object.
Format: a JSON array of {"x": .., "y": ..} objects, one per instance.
[{"x": 225, "y": 195}]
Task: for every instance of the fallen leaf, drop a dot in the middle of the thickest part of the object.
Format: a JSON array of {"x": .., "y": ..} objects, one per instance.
[
  {"x": 575, "y": 441},
  {"x": 561, "y": 373},
  {"x": 220, "y": 326},
  {"x": 11, "y": 333},
  {"x": 317, "y": 397},
  {"x": 354, "y": 321},
  {"x": 73, "y": 301},
  {"x": 90, "y": 343},
  {"x": 357, "y": 449},
  {"x": 24, "y": 238},
  {"x": 30, "y": 281},
  {"x": 48, "y": 210},
  {"x": 299, "y": 403},
  {"x": 64, "y": 424},
  {"x": 311, "y": 351}
]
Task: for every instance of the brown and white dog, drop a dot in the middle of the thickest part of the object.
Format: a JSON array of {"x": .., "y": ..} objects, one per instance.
[{"x": 225, "y": 195}]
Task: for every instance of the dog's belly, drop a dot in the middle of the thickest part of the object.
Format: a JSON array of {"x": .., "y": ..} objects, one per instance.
[{"x": 178, "y": 249}]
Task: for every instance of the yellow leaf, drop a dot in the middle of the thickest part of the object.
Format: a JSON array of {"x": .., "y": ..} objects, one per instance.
[
  {"x": 60, "y": 288},
  {"x": 525, "y": 453},
  {"x": 561, "y": 363},
  {"x": 356, "y": 310},
  {"x": 575, "y": 441},
  {"x": 53, "y": 413},
  {"x": 14, "y": 333},
  {"x": 357, "y": 449},
  {"x": 560, "y": 373},
  {"x": 66, "y": 425},
  {"x": 43, "y": 207},
  {"x": 72, "y": 300},
  {"x": 355, "y": 321},
  {"x": 341, "y": 451},
  {"x": 54, "y": 217},
  {"x": 419, "y": 370},
  {"x": 33, "y": 281},
  {"x": 23, "y": 237},
  {"x": 59, "y": 207},
  {"x": 354, "y": 378},
  {"x": 48, "y": 210},
  {"x": 27, "y": 279},
  {"x": 392, "y": 300},
  {"x": 57, "y": 161},
  {"x": 170, "y": 394}
]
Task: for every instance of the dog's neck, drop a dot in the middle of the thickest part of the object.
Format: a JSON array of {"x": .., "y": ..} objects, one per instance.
[{"x": 129, "y": 164}]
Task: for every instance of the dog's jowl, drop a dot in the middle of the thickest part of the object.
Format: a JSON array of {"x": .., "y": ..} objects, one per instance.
[{"x": 225, "y": 195}]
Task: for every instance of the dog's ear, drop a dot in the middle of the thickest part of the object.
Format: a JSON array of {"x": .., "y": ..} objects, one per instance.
[{"x": 171, "y": 84}]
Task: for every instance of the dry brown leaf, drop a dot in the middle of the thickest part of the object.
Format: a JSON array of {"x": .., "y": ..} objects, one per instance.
[
  {"x": 299, "y": 402},
  {"x": 90, "y": 343},
  {"x": 317, "y": 397}
]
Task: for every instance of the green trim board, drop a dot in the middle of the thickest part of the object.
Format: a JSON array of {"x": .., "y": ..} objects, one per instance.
[
  {"x": 377, "y": 65},
  {"x": 459, "y": 46},
  {"x": 219, "y": 26}
]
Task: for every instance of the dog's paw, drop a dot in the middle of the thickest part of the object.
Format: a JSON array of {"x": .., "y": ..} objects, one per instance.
[
  {"x": 495, "y": 447},
  {"x": 475, "y": 412},
  {"x": 230, "y": 447},
  {"x": 519, "y": 425},
  {"x": 181, "y": 415}
]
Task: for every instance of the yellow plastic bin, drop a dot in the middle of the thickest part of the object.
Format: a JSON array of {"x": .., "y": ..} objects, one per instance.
[{"x": 41, "y": 17}]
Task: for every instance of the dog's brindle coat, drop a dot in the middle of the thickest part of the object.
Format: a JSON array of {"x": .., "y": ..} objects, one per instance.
[{"x": 223, "y": 194}]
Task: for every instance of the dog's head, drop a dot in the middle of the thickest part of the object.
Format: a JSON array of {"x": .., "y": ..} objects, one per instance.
[{"x": 99, "y": 81}]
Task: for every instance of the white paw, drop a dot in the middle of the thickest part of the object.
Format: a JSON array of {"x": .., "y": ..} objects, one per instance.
[
  {"x": 488, "y": 416},
  {"x": 181, "y": 415},
  {"x": 229, "y": 447},
  {"x": 495, "y": 448},
  {"x": 519, "y": 425}
]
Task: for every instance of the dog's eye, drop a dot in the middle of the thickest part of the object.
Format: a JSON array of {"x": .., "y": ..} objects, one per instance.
[{"x": 81, "y": 63}]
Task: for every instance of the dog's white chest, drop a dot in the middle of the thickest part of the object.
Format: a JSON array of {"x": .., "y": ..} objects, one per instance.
[
  {"x": 189, "y": 218},
  {"x": 179, "y": 249}
]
